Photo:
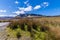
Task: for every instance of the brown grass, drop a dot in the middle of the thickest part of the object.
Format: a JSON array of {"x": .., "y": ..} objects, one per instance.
[{"x": 50, "y": 25}]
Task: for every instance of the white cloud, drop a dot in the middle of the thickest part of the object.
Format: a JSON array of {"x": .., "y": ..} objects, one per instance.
[
  {"x": 22, "y": 10},
  {"x": 19, "y": 12},
  {"x": 26, "y": 2},
  {"x": 29, "y": 8},
  {"x": 3, "y": 11},
  {"x": 7, "y": 15},
  {"x": 37, "y": 7},
  {"x": 11, "y": 15},
  {"x": 45, "y": 4},
  {"x": 16, "y": 2}
]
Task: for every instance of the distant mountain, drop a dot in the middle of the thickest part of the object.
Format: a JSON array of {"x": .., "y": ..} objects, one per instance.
[
  {"x": 26, "y": 15},
  {"x": 29, "y": 15},
  {"x": 6, "y": 18}
]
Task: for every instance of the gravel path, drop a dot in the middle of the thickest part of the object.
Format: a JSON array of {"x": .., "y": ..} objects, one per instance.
[
  {"x": 3, "y": 33},
  {"x": 3, "y": 25}
]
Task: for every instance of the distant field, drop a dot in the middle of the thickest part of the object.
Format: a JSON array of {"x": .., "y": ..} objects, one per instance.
[{"x": 34, "y": 18}]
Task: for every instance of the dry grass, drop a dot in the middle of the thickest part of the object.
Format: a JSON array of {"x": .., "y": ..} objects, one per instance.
[{"x": 48, "y": 27}]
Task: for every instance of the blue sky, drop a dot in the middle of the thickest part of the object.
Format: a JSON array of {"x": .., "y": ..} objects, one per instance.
[{"x": 16, "y": 7}]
